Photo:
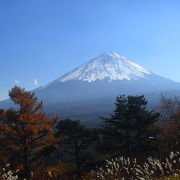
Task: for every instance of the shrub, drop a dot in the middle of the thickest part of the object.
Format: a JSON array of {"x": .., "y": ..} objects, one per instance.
[
  {"x": 128, "y": 169},
  {"x": 6, "y": 174}
]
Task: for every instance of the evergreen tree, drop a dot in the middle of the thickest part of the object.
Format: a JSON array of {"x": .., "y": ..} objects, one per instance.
[
  {"x": 77, "y": 144},
  {"x": 26, "y": 134},
  {"x": 129, "y": 129}
]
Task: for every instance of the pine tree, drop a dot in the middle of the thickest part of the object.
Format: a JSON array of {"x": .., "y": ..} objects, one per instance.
[
  {"x": 26, "y": 134},
  {"x": 128, "y": 130},
  {"x": 76, "y": 140}
]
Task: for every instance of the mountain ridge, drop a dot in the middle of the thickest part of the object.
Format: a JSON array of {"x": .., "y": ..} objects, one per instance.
[
  {"x": 86, "y": 99},
  {"x": 111, "y": 66}
]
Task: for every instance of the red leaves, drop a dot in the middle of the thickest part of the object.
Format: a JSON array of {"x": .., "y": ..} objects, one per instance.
[{"x": 26, "y": 132}]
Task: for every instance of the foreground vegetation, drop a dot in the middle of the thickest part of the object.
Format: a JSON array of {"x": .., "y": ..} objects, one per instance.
[
  {"x": 126, "y": 168},
  {"x": 132, "y": 143}
]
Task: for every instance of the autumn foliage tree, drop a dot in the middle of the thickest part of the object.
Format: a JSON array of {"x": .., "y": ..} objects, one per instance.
[
  {"x": 170, "y": 137},
  {"x": 170, "y": 130},
  {"x": 26, "y": 134}
]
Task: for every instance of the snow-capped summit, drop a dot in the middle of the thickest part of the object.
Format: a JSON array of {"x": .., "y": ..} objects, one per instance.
[
  {"x": 90, "y": 90},
  {"x": 109, "y": 66}
]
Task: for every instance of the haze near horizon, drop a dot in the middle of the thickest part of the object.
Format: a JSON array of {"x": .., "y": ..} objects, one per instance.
[{"x": 42, "y": 40}]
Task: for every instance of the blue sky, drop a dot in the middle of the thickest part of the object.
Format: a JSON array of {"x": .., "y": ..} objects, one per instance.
[{"x": 41, "y": 40}]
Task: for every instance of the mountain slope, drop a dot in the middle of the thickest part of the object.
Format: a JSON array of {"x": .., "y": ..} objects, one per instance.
[
  {"x": 90, "y": 90},
  {"x": 111, "y": 66},
  {"x": 107, "y": 75}
]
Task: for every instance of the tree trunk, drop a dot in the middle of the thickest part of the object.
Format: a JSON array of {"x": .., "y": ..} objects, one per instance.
[
  {"x": 127, "y": 139},
  {"x": 77, "y": 161},
  {"x": 26, "y": 168}
]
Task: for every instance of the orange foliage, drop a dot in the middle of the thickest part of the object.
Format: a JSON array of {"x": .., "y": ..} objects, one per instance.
[
  {"x": 170, "y": 138},
  {"x": 91, "y": 176},
  {"x": 57, "y": 171},
  {"x": 26, "y": 134}
]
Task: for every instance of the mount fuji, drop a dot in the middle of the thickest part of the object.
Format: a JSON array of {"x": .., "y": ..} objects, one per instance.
[
  {"x": 90, "y": 90},
  {"x": 109, "y": 66}
]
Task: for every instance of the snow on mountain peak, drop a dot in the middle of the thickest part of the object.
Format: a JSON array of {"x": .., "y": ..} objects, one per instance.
[{"x": 110, "y": 66}]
